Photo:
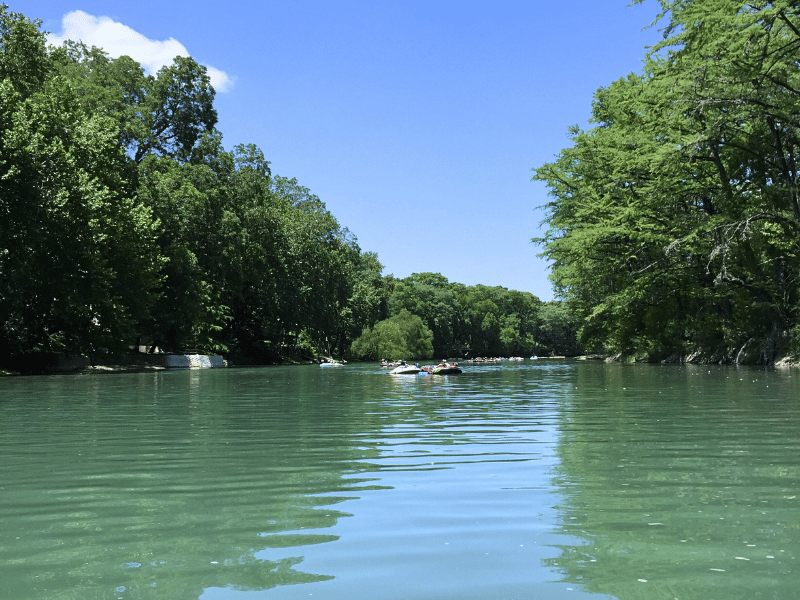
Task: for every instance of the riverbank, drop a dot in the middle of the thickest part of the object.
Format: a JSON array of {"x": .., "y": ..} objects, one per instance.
[
  {"x": 699, "y": 357},
  {"x": 53, "y": 364}
]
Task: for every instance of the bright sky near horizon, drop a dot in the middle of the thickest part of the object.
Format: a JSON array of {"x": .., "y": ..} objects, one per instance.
[{"x": 416, "y": 122}]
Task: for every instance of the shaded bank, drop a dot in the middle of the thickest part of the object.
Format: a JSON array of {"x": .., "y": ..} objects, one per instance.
[{"x": 52, "y": 363}]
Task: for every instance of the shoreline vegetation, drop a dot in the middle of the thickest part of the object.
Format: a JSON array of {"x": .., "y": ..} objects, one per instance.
[
  {"x": 674, "y": 224},
  {"x": 150, "y": 363},
  {"x": 126, "y": 223}
]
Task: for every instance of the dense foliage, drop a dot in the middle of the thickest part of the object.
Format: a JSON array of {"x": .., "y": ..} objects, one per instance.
[
  {"x": 125, "y": 223},
  {"x": 79, "y": 265},
  {"x": 675, "y": 219},
  {"x": 471, "y": 321},
  {"x": 403, "y": 336}
]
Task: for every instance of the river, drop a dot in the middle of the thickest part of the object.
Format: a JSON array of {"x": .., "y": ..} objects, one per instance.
[{"x": 552, "y": 479}]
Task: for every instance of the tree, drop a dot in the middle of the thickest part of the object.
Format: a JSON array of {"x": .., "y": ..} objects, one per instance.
[
  {"x": 368, "y": 301},
  {"x": 675, "y": 221},
  {"x": 403, "y": 336},
  {"x": 477, "y": 320},
  {"x": 163, "y": 115},
  {"x": 558, "y": 330},
  {"x": 428, "y": 295},
  {"x": 178, "y": 109},
  {"x": 24, "y": 61},
  {"x": 186, "y": 199},
  {"x": 77, "y": 255}
]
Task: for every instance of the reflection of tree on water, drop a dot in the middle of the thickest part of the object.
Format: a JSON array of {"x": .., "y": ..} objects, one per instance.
[
  {"x": 678, "y": 488},
  {"x": 171, "y": 487}
]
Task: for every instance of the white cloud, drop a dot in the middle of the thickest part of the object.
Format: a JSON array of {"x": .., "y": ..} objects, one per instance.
[{"x": 118, "y": 40}]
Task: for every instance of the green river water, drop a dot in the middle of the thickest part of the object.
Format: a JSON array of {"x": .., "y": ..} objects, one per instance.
[{"x": 545, "y": 479}]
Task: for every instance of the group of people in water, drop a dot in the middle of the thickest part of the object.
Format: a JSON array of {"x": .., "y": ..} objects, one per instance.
[
  {"x": 385, "y": 364},
  {"x": 479, "y": 359}
]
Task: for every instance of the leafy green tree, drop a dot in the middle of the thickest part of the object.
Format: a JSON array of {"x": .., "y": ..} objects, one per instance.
[
  {"x": 469, "y": 320},
  {"x": 186, "y": 200},
  {"x": 368, "y": 301},
  {"x": 257, "y": 264},
  {"x": 429, "y": 296},
  {"x": 178, "y": 110},
  {"x": 24, "y": 61},
  {"x": 161, "y": 115},
  {"x": 483, "y": 317},
  {"x": 558, "y": 332},
  {"x": 321, "y": 259},
  {"x": 77, "y": 255},
  {"x": 674, "y": 224},
  {"x": 403, "y": 336},
  {"x": 122, "y": 217}
]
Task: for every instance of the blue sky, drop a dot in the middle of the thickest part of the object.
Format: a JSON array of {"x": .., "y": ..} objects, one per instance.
[{"x": 417, "y": 123}]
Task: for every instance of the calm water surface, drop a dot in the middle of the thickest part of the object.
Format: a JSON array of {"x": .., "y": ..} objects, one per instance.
[{"x": 544, "y": 479}]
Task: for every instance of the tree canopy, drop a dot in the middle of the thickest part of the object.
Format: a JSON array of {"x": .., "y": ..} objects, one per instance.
[
  {"x": 673, "y": 228},
  {"x": 403, "y": 336},
  {"x": 125, "y": 222},
  {"x": 79, "y": 264}
]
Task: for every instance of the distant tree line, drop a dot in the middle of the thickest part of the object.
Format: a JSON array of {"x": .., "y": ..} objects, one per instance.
[
  {"x": 674, "y": 229},
  {"x": 466, "y": 321},
  {"x": 124, "y": 222}
]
